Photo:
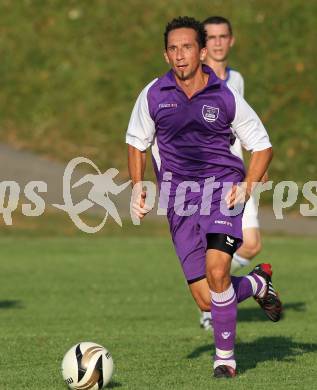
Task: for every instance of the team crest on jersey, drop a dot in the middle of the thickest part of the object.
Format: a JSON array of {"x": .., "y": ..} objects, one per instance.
[{"x": 210, "y": 114}]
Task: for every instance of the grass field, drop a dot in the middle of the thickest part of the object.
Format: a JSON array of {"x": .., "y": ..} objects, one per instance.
[{"x": 128, "y": 294}]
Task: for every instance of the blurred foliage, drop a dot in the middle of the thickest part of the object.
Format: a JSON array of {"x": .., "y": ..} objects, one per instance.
[{"x": 71, "y": 71}]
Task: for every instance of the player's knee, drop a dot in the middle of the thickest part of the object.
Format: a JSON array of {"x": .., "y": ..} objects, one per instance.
[
  {"x": 256, "y": 248},
  {"x": 217, "y": 274},
  {"x": 253, "y": 248},
  {"x": 251, "y": 244}
]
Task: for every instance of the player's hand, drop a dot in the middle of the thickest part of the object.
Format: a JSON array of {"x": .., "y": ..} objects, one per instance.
[
  {"x": 139, "y": 206},
  {"x": 237, "y": 194}
]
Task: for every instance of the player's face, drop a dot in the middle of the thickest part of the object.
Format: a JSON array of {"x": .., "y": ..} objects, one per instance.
[
  {"x": 219, "y": 41},
  {"x": 183, "y": 52}
]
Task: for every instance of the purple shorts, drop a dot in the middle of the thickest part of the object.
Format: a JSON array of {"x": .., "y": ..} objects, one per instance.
[{"x": 189, "y": 236}]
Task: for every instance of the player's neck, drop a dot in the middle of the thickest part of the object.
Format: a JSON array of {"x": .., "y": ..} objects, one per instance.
[
  {"x": 194, "y": 84},
  {"x": 219, "y": 67}
]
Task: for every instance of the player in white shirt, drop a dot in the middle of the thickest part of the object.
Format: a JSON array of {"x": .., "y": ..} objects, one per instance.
[{"x": 219, "y": 42}]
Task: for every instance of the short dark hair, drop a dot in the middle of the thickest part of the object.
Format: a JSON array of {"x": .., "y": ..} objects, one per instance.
[
  {"x": 186, "y": 22},
  {"x": 218, "y": 20}
]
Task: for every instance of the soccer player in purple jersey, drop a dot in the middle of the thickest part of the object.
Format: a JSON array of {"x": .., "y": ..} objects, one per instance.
[
  {"x": 220, "y": 40},
  {"x": 187, "y": 117}
]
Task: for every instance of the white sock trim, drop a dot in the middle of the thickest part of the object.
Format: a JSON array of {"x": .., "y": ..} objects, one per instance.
[
  {"x": 232, "y": 363},
  {"x": 263, "y": 289},
  {"x": 253, "y": 283},
  {"x": 224, "y": 304},
  {"x": 224, "y": 354},
  {"x": 223, "y": 296},
  {"x": 242, "y": 261}
]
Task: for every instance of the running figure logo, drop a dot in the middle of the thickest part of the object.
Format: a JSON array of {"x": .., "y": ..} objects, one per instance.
[{"x": 102, "y": 185}]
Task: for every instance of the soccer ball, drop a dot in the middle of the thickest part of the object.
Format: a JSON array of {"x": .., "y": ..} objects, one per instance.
[{"x": 87, "y": 366}]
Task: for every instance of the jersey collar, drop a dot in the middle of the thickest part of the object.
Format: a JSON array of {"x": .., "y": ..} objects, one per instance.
[{"x": 168, "y": 80}]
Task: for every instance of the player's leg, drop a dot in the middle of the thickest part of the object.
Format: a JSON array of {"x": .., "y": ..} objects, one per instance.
[
  {"x": 201, "y": 293},
  {"x": 251, "y": 237},
  {"x": 251, "y": 247},
  {"x": 227, "y": 291},
  {"x": 223, "y": 301},
  {"x": 244, "y": 287},
  {"x": 252, "y": 244},
  {"x": 257, "y": 284}
]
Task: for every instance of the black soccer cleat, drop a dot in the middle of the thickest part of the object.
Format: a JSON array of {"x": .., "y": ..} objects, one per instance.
[
  {"x": 270, "y": 303},
  {"x": 224, "y": 372}
]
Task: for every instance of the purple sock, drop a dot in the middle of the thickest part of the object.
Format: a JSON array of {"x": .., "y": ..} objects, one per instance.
[
  {"x": 224, "y": 316},
  {"x": 247, "y": 286},
  {"x": 242, "y": 287}
]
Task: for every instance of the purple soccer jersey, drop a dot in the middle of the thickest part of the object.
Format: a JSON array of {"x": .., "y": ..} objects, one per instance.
[
  {"x": 190, "y": 141},
  {"x": 193, "y": 135}
]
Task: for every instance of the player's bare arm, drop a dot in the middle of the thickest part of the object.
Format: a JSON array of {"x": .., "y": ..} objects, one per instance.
[
  {"x": 258, "y": 166},
  {"x": 136, "y": 164}
]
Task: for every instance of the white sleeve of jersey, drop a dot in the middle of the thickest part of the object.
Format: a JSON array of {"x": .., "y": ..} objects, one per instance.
[
  {"x": 236, "y": 81},
  {"x": 241, "y": 89},
  {"x": 141, "y": 129},
  {"x": 248, "y": 127}
]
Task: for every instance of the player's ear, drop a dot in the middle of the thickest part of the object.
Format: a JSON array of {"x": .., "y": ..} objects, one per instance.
[
  {"x": 166, "y": 57},
  {"x": 203, "y": 54},
  {"x": 232, "y": 40}
]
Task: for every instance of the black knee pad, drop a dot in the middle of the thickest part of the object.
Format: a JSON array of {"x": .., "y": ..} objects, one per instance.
[{"x": 222, "y": 242}]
